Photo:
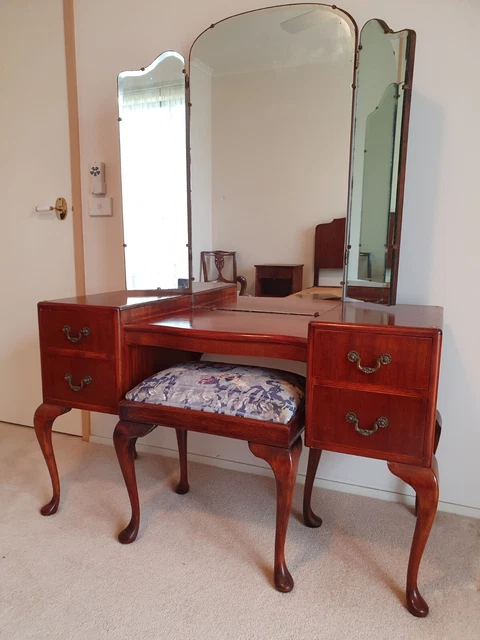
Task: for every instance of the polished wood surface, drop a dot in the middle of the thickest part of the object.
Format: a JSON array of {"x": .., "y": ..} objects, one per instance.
[
  {"x": 378, "y": 409},
  {"x": 408, "y": 370},
  {"x": 132, "y": 336},
  {"x": 284, "y": 463},
  {"x": 43, "y": 421},
  {"x": 403, "y": 439},
  {"x": 377, "y": 295},
  {"x": 271, "y": 433},
  {"x": 424, "y": 482}
]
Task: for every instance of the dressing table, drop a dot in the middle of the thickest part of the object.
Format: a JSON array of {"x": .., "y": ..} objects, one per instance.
[
  {"x": 94, "y": 349},
  {"x": 372, "y": 370}
]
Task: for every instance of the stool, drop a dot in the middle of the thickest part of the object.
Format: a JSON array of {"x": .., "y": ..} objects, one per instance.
[{"x": 263, "y": 406}]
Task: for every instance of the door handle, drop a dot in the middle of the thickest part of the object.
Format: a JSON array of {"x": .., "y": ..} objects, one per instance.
[{"x": 60, "y": 208}]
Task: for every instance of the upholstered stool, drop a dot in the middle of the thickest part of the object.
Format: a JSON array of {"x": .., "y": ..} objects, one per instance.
[{"x": 263, "y": 406}]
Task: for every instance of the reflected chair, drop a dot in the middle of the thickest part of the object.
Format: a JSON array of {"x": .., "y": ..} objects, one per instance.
[
  {"x": 263, "y": 406},
  {"x": 221, "y": 266}
]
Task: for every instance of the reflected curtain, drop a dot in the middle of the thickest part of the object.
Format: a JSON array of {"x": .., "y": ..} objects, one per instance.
[{"x": 154, "y": 186}]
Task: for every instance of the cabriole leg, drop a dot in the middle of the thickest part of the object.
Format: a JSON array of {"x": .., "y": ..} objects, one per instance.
[
  {"x": 284, "y": 463},
  {"x": 436, "y": 442},
  {"x": 124, "y": 439},
  {"x": 311, "y": 519},
  {"x": 424, "y": 481},
  {"x": 43, "y": 421}
]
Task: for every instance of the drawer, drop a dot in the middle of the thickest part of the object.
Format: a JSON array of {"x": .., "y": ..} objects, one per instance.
[
  {"x": 94, "y": 380},
  {"x": 78, "y": 329},
  {"x": 409, "y": 366},
  {"x": 401, "y": 437},
  {"x": 275, "y": 272}
]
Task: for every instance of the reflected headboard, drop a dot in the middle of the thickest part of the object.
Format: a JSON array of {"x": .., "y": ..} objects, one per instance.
[{"x": 329, "y": 247}]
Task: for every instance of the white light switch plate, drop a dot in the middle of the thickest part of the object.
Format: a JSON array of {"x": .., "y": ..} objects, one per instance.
[{"x": 100, "y": 207}]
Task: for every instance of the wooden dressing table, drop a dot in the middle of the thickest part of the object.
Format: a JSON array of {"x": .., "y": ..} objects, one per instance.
[{"x": 95, "y": 348}]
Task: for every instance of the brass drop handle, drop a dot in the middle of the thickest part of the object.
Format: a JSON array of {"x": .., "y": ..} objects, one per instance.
[
  {"x": 83, "y": 382},
  {"x": 379, "y": 423},
  {"x": 354, "y": 356},
  {"x": 83, "y": 332}
]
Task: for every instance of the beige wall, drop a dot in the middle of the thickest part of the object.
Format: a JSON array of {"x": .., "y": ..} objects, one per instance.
[
  {"x": 441, "y": 197},
  {"x": 268, "y": 168},
  {"x": 201, "y": 160}
]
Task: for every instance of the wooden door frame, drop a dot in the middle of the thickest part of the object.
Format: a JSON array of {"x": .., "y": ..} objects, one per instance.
[{"x": 75, "y": 170}]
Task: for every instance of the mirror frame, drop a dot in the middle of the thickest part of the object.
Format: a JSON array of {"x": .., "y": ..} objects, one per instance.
[
  {"x": 399, "y": 197},
  {"x": 141, "y": 72},
  {"x": 402, "y": 160},
  {"x": 188, "y": 60}
]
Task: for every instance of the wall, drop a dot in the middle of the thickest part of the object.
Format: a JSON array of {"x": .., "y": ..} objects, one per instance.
[
  {"x": 441, "y": 199},
  {"x": 201, "y": 159},
  {"x": 269, "y": 168}
]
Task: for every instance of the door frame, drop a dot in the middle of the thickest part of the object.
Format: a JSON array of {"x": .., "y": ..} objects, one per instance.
[{"x": 75, "y": 170}]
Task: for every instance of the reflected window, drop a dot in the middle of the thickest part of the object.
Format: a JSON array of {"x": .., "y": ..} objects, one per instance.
[{"x": 154, "y": 183}]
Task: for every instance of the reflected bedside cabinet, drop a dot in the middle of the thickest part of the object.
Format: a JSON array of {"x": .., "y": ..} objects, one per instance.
[{"x": 277, "y": 280}]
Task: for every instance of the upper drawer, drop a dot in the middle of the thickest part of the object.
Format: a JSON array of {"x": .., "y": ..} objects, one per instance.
[
  {"x": 77, "y": 329},
  {"x": 368, "y": 358},
  {"x": 282, "y": 273}
]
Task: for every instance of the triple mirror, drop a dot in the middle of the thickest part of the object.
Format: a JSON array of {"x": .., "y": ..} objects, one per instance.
[{"x": 291, "y": 122}]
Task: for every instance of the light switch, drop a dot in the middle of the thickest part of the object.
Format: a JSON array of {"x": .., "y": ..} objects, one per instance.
[{"x": 100, "y": 207}]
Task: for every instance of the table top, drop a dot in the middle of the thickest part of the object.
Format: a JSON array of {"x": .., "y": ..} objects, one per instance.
[
  {"x": 291, "y": 316},
  {"x": 276, "y": 264}
]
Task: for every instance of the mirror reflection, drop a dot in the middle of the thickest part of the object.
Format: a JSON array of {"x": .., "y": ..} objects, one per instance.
[
  {"x": 378, "y": 160},
  {"x": 152, "y": 129},
  {"x": 271, "y": 96}
]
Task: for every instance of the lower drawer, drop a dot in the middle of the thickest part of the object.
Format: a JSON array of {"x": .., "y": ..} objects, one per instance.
[
  {"x": 79, "y": 382},
  {"x": 376, "y": 425}
]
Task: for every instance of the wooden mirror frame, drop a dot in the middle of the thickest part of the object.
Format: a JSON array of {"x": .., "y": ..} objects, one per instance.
[
  {"x": 388, "y": 294},
  {"x": 394, "y": 246}
]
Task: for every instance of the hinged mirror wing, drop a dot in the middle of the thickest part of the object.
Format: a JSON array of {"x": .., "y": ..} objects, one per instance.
[
  {"x": 152, "y": 126},
  {"x": 379, "y": 148}
]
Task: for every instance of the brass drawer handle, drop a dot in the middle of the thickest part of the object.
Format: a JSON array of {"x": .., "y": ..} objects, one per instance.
[
  {"x": 83, "y": 382},
  {"x": 83, "y": 332},
  {"x": 379, "y": 423},
  {"x": 354, "y": 356}
]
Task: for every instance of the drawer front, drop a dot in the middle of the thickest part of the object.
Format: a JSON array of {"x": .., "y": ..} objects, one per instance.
[
  {"x": 81, "y": 329},
  {"x": 275, "y": 272},
  {"x": 393, "y": 426},
  {"x": 340, "y": 356},
  {"x": 90, "y": 381}
]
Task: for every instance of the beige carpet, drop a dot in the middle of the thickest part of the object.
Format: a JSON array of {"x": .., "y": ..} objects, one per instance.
[{"x": 202, "y": 566}]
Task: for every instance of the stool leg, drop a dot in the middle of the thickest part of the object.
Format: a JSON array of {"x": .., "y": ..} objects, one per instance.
[
  {"x": 284, "y": 463},
  {"x": 310, "y": 518},
  {"x": 183, "y": 486},
  {"x": 124, "y": 439}
]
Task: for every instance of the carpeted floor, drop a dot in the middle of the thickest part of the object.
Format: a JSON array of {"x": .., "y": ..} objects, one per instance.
[{"x": 202, "y": 565}]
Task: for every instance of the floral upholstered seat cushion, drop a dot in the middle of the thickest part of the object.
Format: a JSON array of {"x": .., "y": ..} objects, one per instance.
[{"x": 250, "y": 392}]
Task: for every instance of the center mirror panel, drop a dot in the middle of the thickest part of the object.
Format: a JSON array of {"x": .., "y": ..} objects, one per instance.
[
  {"x": 152, "y": 126},
  {"x": 270, "y": 124}
]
